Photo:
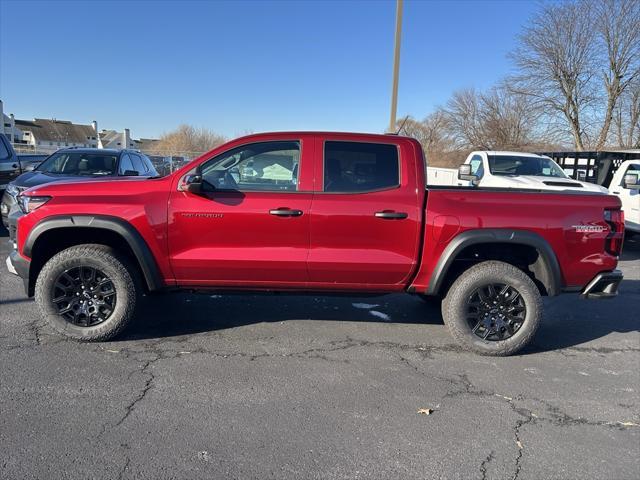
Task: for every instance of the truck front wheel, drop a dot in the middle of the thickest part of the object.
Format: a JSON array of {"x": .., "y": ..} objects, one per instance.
[
  {"x": 493, "y": 308},
  {"x": 87, "y": 292}
]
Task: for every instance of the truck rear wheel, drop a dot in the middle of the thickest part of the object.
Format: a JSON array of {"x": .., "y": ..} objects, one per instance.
[
  {"x": 87, "y": 292},
  {"x": 493, "y": 308}
]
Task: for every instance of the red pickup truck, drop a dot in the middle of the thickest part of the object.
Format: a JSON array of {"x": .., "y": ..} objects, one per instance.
[{"x": 314, "y": 212}]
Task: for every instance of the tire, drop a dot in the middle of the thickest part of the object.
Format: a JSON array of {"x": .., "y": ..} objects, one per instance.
[
  {"x": 114, "y": 272},
  {"x": 464, "y": 305}
]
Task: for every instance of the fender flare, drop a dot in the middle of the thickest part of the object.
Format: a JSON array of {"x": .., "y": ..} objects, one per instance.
[
  {"x": 552, "y": 276},
  {"x": 128, "y": 232}
]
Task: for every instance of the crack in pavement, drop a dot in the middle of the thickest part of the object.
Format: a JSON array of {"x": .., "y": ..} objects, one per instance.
[
  {"x": 34, "y": 327},
  {"x": 148, "y": 385},
  {"x": 140, "y": 397},
  {"x": 124, "y": 468},
  {"x": 519, "y": 444},
  {"x": 485, "y": 462}
]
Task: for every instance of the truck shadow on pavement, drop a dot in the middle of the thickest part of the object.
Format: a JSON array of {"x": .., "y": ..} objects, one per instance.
[{"x": 568, "y": 320}]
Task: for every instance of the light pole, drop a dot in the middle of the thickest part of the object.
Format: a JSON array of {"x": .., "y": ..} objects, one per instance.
[{"x": 396, "y": 67}]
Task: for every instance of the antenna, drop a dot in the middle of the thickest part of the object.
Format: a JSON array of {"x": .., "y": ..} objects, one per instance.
[{"x": 402, "y": 125}]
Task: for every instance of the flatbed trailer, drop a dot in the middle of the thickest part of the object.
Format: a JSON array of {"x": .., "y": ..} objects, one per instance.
[{"x": 593, "y": 166}]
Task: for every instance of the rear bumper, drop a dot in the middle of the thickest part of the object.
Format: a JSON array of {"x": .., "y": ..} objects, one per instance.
[{"x": 603, "y": 286}]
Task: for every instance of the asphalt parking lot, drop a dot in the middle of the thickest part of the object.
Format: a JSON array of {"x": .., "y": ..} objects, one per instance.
[{"x": 209, "y": 386}]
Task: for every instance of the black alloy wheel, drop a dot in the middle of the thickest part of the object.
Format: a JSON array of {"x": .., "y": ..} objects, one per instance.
[
  {"x": 84, "y": 296},
  {"x": 495, "y": 311}
]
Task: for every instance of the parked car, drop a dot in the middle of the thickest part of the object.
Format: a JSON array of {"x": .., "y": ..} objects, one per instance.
[
  {"x": 519, "y": 170},
  {"x": 9, "y": 163},
  {"x": 314, "y": 212},
  {"x": 78, "y": 164},
  {"x": 626, "y": 185},
  {"x": 13, "y": 164}
]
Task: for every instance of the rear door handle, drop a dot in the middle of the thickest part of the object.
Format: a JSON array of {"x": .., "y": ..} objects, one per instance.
[
  {"x": 285, "y": 212},
  {"x": 390, "y": 215}
]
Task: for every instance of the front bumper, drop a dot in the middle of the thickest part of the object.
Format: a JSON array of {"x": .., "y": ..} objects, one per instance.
[
  {"x": 19, "y": 266},
  {"x": 603, "y": 286},
  {"x": 7, "y": 202},
  {"x": 16, "y": 264}
]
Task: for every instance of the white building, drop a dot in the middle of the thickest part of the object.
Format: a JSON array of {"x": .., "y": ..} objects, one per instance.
[
  {"x": 8, "y": 126},
  {"x": 114, "y": 139},
  {"x": 44, "y": 135},
  {"x": 48, "y": 135}
]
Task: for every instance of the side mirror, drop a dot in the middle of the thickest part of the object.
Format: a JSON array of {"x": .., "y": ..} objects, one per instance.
[
  {"x": 631, "y": 181},
  {"x": 130, "y": 173},
  {"x": 191, "y": 183},
  {"x": 464, "y": 173}
]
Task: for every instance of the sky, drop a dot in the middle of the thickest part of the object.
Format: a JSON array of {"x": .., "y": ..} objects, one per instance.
[{"x": 239, "y": 67}]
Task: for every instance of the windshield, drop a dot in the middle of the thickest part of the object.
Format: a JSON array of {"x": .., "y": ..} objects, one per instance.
[
  {"x": 80, "y": 163},
  {"x": 521, "y": 165}
]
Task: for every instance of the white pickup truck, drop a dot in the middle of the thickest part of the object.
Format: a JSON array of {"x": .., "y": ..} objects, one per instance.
[
  {"x": 528, "y": 170},
  {"x": 519, "y": 170},
  {"x": 625, "y": 184}
]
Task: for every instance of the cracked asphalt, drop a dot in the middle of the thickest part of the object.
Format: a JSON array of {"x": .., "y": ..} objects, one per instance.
[{"x": 252, "y": 386}]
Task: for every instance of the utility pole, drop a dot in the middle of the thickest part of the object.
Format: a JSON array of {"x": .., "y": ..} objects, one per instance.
[{"x": 396, "y": 67}]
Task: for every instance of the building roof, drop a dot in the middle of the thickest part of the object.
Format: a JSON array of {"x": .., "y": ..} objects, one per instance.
[
  {"x": 56, "y": 130},
  {"x": 145, "y": 143},
  {"x": 108, "y": 136}
]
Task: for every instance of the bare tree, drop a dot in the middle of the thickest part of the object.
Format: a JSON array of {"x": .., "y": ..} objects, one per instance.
[
  {"x": 430, "y": 132},
  {"x": 556, "y": 63},
  {"x": 618, "y": 25},
  {"x": 496, "y": 119},
  {"x": 465, "y": 120},
  {"x": 187, "y": 141},
  {"x": 627, "y": 117}
]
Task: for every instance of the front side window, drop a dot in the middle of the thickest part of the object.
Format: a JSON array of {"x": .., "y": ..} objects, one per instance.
[
  {"x": 263, "y": 167},
  {"x": 523, "y": 165},
  {"x": 476, "y": 166},
  {"x": 360, "y": 167},
  {"x": 632, "y": 170},
  {"x": 79, "y": 163}
]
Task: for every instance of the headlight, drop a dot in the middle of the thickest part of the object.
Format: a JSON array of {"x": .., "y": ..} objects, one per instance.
[
  {"x": 13, "y": 190},
  {"x": 29, "y": 204}
]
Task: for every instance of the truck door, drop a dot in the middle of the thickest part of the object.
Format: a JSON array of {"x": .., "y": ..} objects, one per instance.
[
  {"x": 366, "y": 214},
  {"x": 250, "y": 225},
  {"x": 630, "y": 198}
]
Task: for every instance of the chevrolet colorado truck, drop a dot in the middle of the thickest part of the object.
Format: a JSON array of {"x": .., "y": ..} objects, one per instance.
[{"x": 314, "y": 212}]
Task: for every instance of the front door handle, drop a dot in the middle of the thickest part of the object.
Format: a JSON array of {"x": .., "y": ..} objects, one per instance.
[
  {"x": 391, "y": 215},
  {"x": 285, "y": 212},
  {"x": 616, "y": 193}
]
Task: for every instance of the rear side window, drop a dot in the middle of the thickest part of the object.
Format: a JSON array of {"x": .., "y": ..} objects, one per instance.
[
  {"x": 360, "y": 167},
  {"x": 125, "y": 164},
  {"x": 137, "y": 163}
]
